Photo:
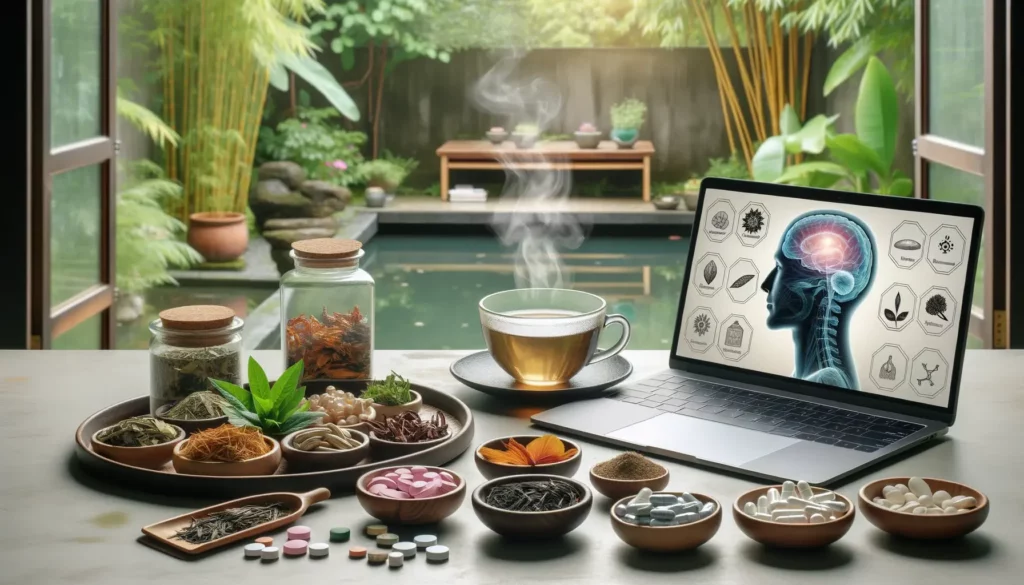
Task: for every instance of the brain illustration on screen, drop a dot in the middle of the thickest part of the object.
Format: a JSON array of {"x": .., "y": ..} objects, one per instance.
[{"x": 824, "y": 264}]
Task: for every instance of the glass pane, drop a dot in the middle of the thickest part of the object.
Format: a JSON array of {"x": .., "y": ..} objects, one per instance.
[
  {"x": 75, "y": 71},
  {"x": 86, "y": 335},
  {"x": 948, "y": 184},
  {"x": 74, "y": 233},
  {"x": 956, "y": 69}
]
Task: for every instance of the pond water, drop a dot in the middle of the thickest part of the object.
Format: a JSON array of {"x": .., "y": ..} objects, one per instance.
[{"x": 428, "y": 286}]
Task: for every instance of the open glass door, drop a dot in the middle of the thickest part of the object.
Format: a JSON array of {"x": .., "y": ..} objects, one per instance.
[
  {"x": 73, "y": 173},
  {"x": 960, "y": 143}
]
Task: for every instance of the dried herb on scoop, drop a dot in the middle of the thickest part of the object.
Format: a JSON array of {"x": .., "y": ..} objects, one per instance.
[
  {"x": 230, "y": 521},
  {"x": 140, "y": 431},
  {"x": 540, "y": 451}
]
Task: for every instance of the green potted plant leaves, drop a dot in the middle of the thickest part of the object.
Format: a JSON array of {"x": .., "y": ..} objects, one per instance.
[
  {"x": 627, "y": 118},
  {"x": 392, "y": 395},
  {"x": 276, "y": 410}
]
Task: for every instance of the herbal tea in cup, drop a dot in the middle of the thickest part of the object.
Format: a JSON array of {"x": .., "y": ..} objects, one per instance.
[{"x": 545, "y": 336}]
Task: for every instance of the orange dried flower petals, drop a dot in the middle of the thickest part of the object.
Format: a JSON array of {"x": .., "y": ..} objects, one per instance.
[{"x": 540, "y": 451}]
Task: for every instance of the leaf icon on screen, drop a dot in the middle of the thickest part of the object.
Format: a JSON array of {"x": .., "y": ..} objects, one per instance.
[{"x": 741, "y": 281}]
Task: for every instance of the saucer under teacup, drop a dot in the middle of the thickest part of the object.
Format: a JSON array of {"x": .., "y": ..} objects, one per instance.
[{"x": 480, "y": 372}]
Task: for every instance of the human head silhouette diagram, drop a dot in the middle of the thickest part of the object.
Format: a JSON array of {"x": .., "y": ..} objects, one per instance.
[{"x": 823, "y": 266}]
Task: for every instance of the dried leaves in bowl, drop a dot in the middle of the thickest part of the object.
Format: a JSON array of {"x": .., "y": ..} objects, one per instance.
[
  {"x": 540, "y": 451},
  {"x": 336, "y": 347},
  {"x": 408, "y": 427},
  {"x": 139, "y": 431}
]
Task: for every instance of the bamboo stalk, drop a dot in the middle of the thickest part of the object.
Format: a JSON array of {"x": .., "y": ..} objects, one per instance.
[
  {"x": 749, "y": 13},
  {"x": 744, "y": 135},
  {"x": 724, "y": 85},
  {"x": 757, "y": 113},
  {"x": 780, "y": 79},
  {"x": 808, "y": 45},
  {"x": 766, "y": 68},
  {"x": 380, "y": 96},
  {"x": 792, "y": 72}
]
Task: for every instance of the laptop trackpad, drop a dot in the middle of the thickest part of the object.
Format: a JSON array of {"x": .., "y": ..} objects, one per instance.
[{"x": 674, "y": 434}]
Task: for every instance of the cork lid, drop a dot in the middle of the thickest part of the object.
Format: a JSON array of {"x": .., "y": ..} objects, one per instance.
[
  {"x": 326, "y": 248},
  {"x": 197, "y": 317}
]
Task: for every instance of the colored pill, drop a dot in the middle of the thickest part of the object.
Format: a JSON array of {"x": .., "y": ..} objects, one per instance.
[
  {"x": 437, "y": 553},
  {"x": 662, "y": 513},
  {"x": 378, "y": 557},
  {"x": 270, "y": 553},
  {"x": 403, "y": 471},
  {"x": 387, "y": 539},
  {"x": 447, "y": 476},
  {"x": 687, "y": 518},
  {"x": 384, "y": 481},
  {"x": 707, "y": 510},
  {"x": 376, "y": 529},
  {"x": 688, "y": 497},
  {"x": 356, "y": 552},
  {"x": 406, "y": 548},
  {"x": 299, "y": 533},
  {"x": 265, "y": 541},
  {"x": 419, "y": 470},
  {"x": 295, "y": 548},
  {"x": 253, "y": 550},
  {"x": 425, "y": 540},
  {"x": 431, "y": 476},
  {"x": 319, "y": 549},
  {"x": 340, "y": 534},
  {"x": 396, "y": 559}
]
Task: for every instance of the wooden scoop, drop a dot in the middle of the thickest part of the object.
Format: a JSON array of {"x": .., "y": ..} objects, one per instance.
[{"x": 164, "y": 531}]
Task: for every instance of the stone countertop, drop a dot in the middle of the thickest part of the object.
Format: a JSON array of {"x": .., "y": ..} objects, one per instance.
[{"x": 62, "y": 525}]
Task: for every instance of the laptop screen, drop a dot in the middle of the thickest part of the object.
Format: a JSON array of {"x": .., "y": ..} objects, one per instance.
[{"x": 849, "y": 296}]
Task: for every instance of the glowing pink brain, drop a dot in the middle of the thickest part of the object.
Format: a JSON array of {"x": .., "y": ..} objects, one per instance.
[{"x": 833, "y": 246}]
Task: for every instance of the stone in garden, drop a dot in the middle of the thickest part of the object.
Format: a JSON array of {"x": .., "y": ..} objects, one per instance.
[
  {"x": 299, "y": 223},
  {"x": 288, "y": 173},
  {"x": 271, "y": 199},
  {"x": 282, "y": 239},
  {"x": 320, "y": 191}
]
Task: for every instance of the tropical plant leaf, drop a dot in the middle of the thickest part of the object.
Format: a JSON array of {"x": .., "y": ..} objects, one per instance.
[
  {"x": 902, "y": 316},
  {"x": 242, "y": 418},
  {"x": 741, "y": 281},
  {"x": 259, "y": 386},
  {"x": 286, "y": 383},
  {"x": 890, "y": 315},
  {"x": 851, "y": 61},
  {"x": 299, "y": 420},
  {"x": 789, "y": 122},
  {"x": 770, "y": 159},
  {"x": 795, "y": 174},
  {"x": 877, "y": 111},
  {"x": 849, "y": 151},
  {"x": 901, "y": 187},
  {"x": 279, "y": 77},
  {"x": 290, "y": 404},
  {"x": 264, "y": 406},
  {"x": 234, "y": 394},
  {"x": 811, "y": 138},
  {"x": 319, "y": 77}
]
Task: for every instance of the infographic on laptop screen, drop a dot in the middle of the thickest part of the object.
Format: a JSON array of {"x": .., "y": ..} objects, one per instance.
[{"x": 854, "y": 297}]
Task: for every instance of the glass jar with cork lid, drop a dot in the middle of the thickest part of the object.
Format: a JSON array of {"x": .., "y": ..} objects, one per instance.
[
  {"x": 327, "y": 310},
  {"x": 190, "y": 345}
]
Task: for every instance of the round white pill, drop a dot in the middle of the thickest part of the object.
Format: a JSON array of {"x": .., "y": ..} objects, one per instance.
[
  {"x": 920, "y": 511},
  {"x": 940, "y": 496},
  {"x": 903, "y": 489},
  {"x": 252, "y": 551},
  {"x": 925, "y": 500},
  {"x": 437, "y": 553},
  {"x": 319, "y": 549},
  {"x": 425, "y": 540},
  {"x": 270, "y": 553},
  {"x": 919, "y": 486},
  {"x": 949, "y": 510},
  {"x": 396, "y": 559},
  {"x": 406, "y": 548}
]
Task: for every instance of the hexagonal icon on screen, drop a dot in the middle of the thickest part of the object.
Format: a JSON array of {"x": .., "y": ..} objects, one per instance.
[
  {"x": 937, "y": 310},
  {"x": 719, "y": 219},
  {"x": 734, "y": 337},
  {"x": 889, "y": 367},
  {"x": 743, "y": 280},
  {"x": 928, "y": 373},
  {"x": 752, "y": 224},
  {"x": 709, "y": 274},
  {"x": 700, "y": 328},
  {"x": 897, "y": 307},
  {"x": 906, "y": 245},
  {"x": 946, "y": 247}
]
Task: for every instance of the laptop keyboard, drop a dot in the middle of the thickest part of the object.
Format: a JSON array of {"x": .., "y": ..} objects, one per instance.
[{"x": 769, "y": 413}]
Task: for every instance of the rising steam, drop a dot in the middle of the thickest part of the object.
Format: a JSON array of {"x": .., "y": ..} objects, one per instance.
[{"x": 537, "y": 228}]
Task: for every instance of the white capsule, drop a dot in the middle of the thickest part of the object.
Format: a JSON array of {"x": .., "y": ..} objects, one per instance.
[
  {"x": 761, "y": 516},
  {"x": 838, "y": 505},
  {"x": 962, "y": 511},
  {"x": 707, "y": 510},
  {"x": 925, "y": 500},
  {"x": 965, "y": 504},
  {"x": 910, "y": 496},
  {"x": 778, "y": 505},
  {"x": 895, "y": 506},
  {"x": 800, "y": 502},
  {"x": 786, "y": 512},
  {"x": 811, "y": 510},
  {"x": 773, "y": 495},
  {"x": 638, "y": 509},
  {"x": 750, "y": 508},
  {"x": 920, "y": 511},
  {"x": 620, "y": 510},
  {"x": 903, "y": 489},
  {"x": 941, "y": 496},
  {"x": 788, "y": 489},
  {"x": 919, "y": 486},
  {"x": 685, "y": 518},
  {"x": 817, "y": 519},
  {"x": 887, "y": 489},
  {"x": 935, "y": 511},
  {"x": 832, "y": 517},
  {"x": 896, "y": 497},
  {"x": 794, "y": 519},
  {"x": 688, "y": 497},
  {"x": 823, "y": 497},
  {"x": 662, "y": 523},
  {"x": 908, "y": 507},
  {"x": 804, "y": 489},
  {"x": 880, "y": 501},
  {"x": 949, "y": 510},
  {"x": 762, "y": 505},
  {"x": 643, "y": 496}
]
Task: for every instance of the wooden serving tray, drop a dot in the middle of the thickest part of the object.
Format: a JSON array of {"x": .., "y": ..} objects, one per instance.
[
  {"x": 163, "y": 532},
  {"x": 166, "y": 480}
]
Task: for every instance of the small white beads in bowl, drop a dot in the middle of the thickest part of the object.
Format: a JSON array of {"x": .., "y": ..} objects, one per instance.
[{"x": 916, "y": 497}]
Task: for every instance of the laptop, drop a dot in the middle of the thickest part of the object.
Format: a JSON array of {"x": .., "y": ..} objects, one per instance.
[{"x": 818, "y": 333}]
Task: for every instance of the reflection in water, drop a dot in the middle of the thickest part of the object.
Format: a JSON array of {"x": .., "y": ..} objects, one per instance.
[{"x": 428, "y": 287}]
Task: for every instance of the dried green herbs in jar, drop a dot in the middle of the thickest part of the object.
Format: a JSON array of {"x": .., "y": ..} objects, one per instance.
[{"x": 190, "y": 345}]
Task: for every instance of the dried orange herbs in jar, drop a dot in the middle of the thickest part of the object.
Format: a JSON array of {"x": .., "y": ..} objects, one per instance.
[{"x": 335, "y": 347}]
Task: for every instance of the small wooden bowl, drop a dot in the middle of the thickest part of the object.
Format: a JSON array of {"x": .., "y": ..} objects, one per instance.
[
  {"x": 299, "y": 460},
  {"x": 265, "y": 464},
  {"x": 532, "y": 525},
  {"x": 617, "y": 489},
  {"x": 382, "y": 449},
  {"x": 491, "y": 470},
  {"x": 152, "y": 457},
  {"x": 409, "y": 512},
  {"x": 189, "y": 425},
  {"x": 415, "y": 406},
  {"x": 781, "y": 535},
  {"x": 668, "y": 538},
  {"x": 927, "y": 527}
]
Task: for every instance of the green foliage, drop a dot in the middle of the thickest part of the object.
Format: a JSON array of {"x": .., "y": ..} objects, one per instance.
[
  {"x": 315, "y": 142},
  {"x": 349, "y": 24},
  {"x": 383, "y": 173},
  {"x": 391, "y": 391},
  {"x": 728, "y": 168},
  {"x": 147, "y": 237},
  {"x": 276, "y": 410},
  {"x": 319, "y": 77},
  {"x": 629, "y": 114},
  {"x": 526, "y": 128},
  {"x": 147, "y": 122},
  {"x": 861, "y": 161},
  {"x": 610, "y": 23},
  {"x": 770, "y": 159}
]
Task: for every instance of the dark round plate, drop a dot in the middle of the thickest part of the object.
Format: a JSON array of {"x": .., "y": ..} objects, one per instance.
[{"x": 480, "y": 372}]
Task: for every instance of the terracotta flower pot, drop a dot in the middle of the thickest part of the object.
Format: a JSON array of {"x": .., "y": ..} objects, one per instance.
[{"x": 218, "y": 236}]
